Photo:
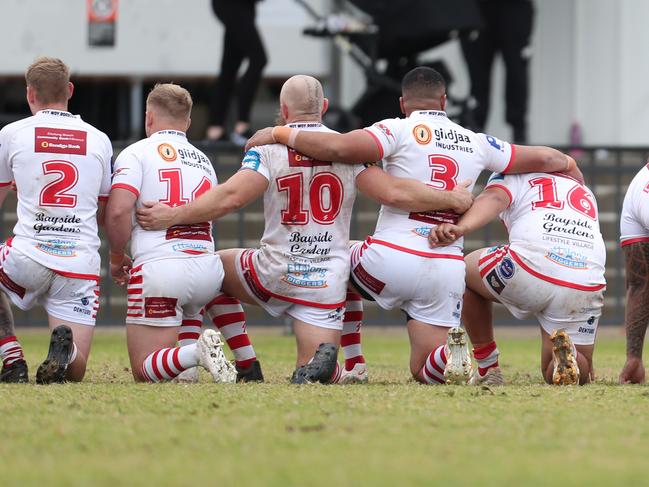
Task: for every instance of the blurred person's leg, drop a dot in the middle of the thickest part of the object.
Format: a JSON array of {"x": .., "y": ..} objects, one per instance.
[{"x": 515, "y": 21}]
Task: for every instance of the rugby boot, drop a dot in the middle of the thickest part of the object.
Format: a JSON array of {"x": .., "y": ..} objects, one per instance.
[
  {"x": 458, "y": 360},
  {"x": 15, "y": 373},
  {"x": 188, "y": 376},
  {"x": 250, "y": 374},
  {"x": 358, "y": 375},
  {"x": 493, "y": 377},
  {"x": 566, "y": 370},
  {"x": 320, "y": 368},
  {"x": 53, "y": 368},
  {"x": 212, "y": 358}
]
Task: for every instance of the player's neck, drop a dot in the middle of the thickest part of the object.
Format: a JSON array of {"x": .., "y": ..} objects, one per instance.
[
  {"x": 162, "y": 127},
  {"x": 61, "y": 107}
]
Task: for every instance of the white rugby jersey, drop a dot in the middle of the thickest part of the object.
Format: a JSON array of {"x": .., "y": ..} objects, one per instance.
[
  {"x": 61, "y": 166},
  {"x": 428, "y": 147},
  {"x": 634, "y": 222},
  {"x": 165, "y": 167},
  {"x": 304, "y": 252},
  {"x": 553, "y": 229}
]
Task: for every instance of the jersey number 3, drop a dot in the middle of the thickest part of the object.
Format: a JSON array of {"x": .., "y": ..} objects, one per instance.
[
  {"x": 325, "y": 198},
  {"x": 56, "y": 192}
]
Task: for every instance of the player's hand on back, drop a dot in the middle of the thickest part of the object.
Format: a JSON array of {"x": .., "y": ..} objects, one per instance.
[
  {"x": 633, "y": 371},
  {"x": 261, "y": 137},
  {"x": 573, "y": 171},
  {"x": 444, "y": 234},
  {"x": 120, "y": 270},
  {"x": 155, "y": 216},
  {"x": 463, "y": 197}
]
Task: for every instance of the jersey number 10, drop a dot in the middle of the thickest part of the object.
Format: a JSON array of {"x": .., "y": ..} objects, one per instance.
[{"x": 324, "y": 210}]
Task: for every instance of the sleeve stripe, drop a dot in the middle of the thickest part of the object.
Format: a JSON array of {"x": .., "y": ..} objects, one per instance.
[
  {"x": 2, "y": 185},
  {"x": 127, "y": 187},
  {"x": 503, "y": 188},
  {"x": 378, "y": 142},
  {"x": 511, "y": 159}
]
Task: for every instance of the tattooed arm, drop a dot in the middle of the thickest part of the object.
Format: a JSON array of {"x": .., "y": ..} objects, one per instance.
[{"x": 637, "y": 310}]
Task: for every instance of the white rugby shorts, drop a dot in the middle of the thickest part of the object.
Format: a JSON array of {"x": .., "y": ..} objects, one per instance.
[
  {"x": 27, "y": 283},
  {"x": 428, "y": 289},
  {"x": 554, "y": 306},
  {"x": 321, "y": 317},
  {"x": 162, "y": 292}
]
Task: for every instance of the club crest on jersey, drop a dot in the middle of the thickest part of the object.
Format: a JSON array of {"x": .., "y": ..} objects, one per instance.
[
  {"x": 422, "y": 134},
  {"x": 567, "y": 258},
  {"x": 167, "y": 152}
]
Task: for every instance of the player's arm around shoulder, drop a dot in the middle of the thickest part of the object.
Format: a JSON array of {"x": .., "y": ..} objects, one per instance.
[
  {"x": 242, "y": 188},
  {"x": 355, "y": 147},
  {"x": 543, "y": 159},
  {"x": 409, "y": 194}
]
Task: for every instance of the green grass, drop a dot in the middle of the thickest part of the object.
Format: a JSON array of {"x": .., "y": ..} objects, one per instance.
[{"x": 109, "y": 431}]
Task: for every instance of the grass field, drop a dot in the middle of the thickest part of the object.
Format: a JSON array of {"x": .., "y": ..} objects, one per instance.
[{"x": 108, "y": 431}]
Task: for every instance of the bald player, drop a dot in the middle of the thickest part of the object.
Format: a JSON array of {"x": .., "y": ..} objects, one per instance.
[
  {"x": 395, "y": 267},
  {"x": 302, "y": 266}
]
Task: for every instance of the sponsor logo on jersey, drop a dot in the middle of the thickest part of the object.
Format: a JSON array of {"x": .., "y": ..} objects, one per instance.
[
  {"x": 121, "y": 171},
  {"x": 305, "y": 275},
  {"x": 308, "y": 244},
  {"x": 58, "y": 248},
  {"x": 568, "y": 227},
  {"x": 196, "y": 231},
  {"x": 386, "y": 131},
  {"x": 45, "y": 223},
  {"x": 252, "y": 160},
  {"x": 506, "y": 268},
  {"x": 60, "y": 141},
  {"x": 158, "y": 307},
  {"x": 296, "y": 159},
  {"x": 422, "y": 134},
  {"x": 167, "y": 152},
  {"x": 451, "y": 136},
  {"x": 566, "y": 257},
  {"x": 497, "y": 144},
  {"x": 421, "y": 231},
  {"x": 190, "y": 248},
  {"x": 435, "y": 217}
]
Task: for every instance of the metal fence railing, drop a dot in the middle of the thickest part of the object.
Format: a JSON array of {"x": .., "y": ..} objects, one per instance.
[{"x": 608, "y": 171}]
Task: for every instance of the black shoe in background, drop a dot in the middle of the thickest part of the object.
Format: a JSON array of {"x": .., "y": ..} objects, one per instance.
[
  {"x": 58, "y": 357},
  {"x": 250, "y": 374},
  {"x": 321, "y": 367},
  {"x": 14, "y": 373}
]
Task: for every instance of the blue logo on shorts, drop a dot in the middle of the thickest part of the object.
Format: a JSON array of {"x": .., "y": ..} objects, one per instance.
[
  {"x": 506, "y": 268},
  {"x": 591, "y": 320},
  {"x": 85, "y": 301}
]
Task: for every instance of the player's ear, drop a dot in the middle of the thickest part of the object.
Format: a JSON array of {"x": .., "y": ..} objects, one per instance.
[
  {"x": 325, "y": 106},
  {"x": 70, "y": 89},
  {"x": 442, "y": 102},
  {"x": 284, "y": 109},
  {"x": 189, "y": 123},
  {"x": 403, "y": 109}
]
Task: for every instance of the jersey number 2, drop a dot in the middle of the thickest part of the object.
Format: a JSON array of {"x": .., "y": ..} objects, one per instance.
[
  {"x": 325, "y": 198},
  {"x": 56, "y": 192}
]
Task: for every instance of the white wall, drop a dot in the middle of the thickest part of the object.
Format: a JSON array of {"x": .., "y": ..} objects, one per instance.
[{"x": 154, "y": 37}]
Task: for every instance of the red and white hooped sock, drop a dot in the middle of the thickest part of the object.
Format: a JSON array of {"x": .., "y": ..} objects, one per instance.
[
  {"x": 228, "y": 317},
  {"x": 167, "y": 363},
  {"x": 190, "y": 331},
  {"x": 350, "y": 339},
  {"x": 433, "y": 370},
  {"x": 487, "y": 357},
  {"x": 10, "y": 350}
]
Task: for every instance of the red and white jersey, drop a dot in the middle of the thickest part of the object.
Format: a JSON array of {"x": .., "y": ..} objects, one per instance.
[
  {"x": 61, "y": 166},
  {"x": 304, "y": 252},
  {"x": 165, "y": 167},
  {"x": 553, "y": 229},
  {"x": 634, "y": 222},
  {"x": 430, "y": 148}
]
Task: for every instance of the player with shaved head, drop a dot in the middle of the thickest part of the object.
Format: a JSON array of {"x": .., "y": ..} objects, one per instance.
[
  {"x": 395, "y": 267},
  {"x": 302, "y": 265}
]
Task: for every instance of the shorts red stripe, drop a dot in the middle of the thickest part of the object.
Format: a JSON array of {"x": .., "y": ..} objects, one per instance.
[
  {"x": 488, "y": 267},
  {"x": 228, "y": 319}
]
